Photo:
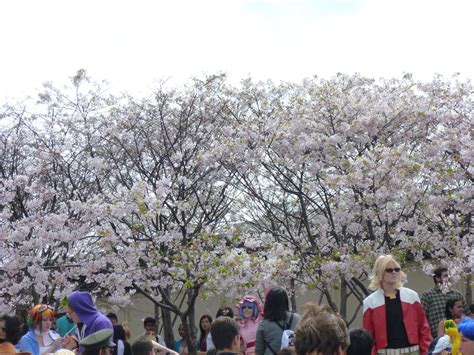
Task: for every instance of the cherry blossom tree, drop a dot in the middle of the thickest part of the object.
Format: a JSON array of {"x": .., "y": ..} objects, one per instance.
[
  {"x": 211, "y": 188},
  {"x": 47, "y": 171},
  {"x": 165, "y": 206},
  {"x": 333, "y": 172}
]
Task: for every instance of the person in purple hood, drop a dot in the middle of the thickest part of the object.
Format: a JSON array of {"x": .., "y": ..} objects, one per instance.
[{"x": 80, "y": 308}]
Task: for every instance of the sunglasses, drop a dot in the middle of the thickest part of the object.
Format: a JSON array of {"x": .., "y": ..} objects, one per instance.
[
  {"x": 3, "y": 329},
  {"x": 247, "y": 307},
  {"x": 390, "y": 270}
]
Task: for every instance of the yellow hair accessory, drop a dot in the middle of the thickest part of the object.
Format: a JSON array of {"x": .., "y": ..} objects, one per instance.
[{"x": 451, "y": 329}]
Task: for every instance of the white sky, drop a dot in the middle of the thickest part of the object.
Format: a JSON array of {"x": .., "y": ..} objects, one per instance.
[{"x": 133, "y": 43}]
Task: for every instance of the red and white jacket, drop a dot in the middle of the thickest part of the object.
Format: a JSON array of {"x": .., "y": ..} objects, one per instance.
[{"x": 414, "y": 319}]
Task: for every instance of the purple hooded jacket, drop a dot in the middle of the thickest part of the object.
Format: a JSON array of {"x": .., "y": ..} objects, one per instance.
[{"x": 81, "y": 303}]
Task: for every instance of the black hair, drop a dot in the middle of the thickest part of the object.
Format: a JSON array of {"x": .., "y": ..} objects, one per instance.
[
  {"x": 276, "y": 305},
  {"x": 223, "y": 332},
  {"x": 111, "y": 315},
  {"x": 203, "y": 332},
  {"x": 471, "y": 308},
  {"x": 438, "y": 272},
  {"x": 225, "y": 312},
  {"x": 449, "y": 306},
  {"x": 12, "y": 329},
  {"x": 149, "y": 320},
  {"x": 361, "y": 342},
  {"x": 142, "y": 346}
]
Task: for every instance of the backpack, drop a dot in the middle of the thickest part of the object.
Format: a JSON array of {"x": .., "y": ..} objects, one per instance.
[{"x": 286, "y": 337}]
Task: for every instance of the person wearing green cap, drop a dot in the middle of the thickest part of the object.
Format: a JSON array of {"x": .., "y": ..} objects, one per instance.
[{"x": 98, "y": 343}]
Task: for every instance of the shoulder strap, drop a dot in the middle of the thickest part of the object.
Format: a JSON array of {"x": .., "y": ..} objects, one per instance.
[
  {"x": 286, "y": 325},
  {"x": 291, "y": 321},
  {"x": 269, "y": 347}
]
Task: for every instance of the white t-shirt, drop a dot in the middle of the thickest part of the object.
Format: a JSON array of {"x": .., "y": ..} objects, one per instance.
[{"x": 120, "y": 347}]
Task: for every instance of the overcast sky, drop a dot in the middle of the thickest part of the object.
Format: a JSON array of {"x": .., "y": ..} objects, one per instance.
[{"x": 133, "y": 43}]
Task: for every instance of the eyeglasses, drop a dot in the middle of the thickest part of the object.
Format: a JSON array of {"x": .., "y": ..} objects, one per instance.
[{"x": 390, "y": 270}]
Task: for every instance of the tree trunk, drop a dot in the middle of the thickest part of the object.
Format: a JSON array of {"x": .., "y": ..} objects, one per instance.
[
  {"x": 168, "y": 325},
  {"x": 328, "y": 295},
  {"x": 468, "y": 289},
  {"x": 190, "y": 322},
  {"x": 343, "y": 305},
  {"x": 157, "y": 319},
  {"x": 190, "y": 336},
  {"x": 293, "y": 296}
]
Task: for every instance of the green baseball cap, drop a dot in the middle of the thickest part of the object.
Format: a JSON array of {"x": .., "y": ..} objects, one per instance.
[{"x": 98, "y": 340}]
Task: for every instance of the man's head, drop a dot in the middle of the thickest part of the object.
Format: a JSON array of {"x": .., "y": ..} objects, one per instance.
[
  {"x": 440, "y": 275},
  {"x": 225, "y": 334},
  {"x": 320, "y": 331},
  {"x": 142, "y": 346},
  {"x": 113, "y": 318},
  {"x": 98, "y": 343},
  {"x": 361, "y": 342},
  {"x": 79, "y": 307},
  {"x": 150, "y": 326},
  {"x": 466, "y": 328}
]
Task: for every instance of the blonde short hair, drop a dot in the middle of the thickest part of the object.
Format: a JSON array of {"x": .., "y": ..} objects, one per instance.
[{"x": 379, "y": 269}]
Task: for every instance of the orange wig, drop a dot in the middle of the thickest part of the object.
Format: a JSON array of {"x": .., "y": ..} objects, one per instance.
[{"x": 36, "y": 315}]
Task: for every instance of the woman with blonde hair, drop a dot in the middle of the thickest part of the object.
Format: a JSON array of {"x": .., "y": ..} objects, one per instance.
[{"x": 393, "y": 314}]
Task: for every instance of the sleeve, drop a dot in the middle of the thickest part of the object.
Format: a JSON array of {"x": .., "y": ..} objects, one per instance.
[
  {"x": 425, "y": 302},
  {"x": 259, "y": 344},
  {"x": 26, "y": 346},
  {"x": 424, "y": 333},
  {"x": 177, "y": 345},
  {"x": 209, "y": 343},
  {"x": 128, "y": 349},
  {"x": 368, "y": 324}
]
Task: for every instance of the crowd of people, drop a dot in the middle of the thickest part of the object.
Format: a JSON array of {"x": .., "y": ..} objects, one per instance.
[{"x": 395, "y": 321}]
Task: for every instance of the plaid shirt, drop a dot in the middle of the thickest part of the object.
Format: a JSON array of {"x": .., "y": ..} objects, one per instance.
[{"x": 434, "y": 305}]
